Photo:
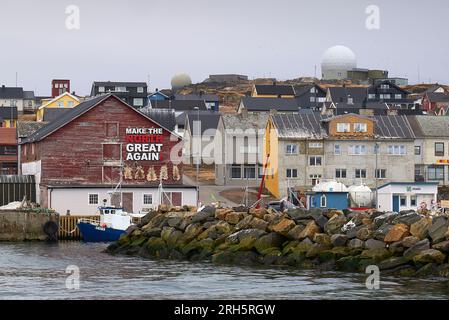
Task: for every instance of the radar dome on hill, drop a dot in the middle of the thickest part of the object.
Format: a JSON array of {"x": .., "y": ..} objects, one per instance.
[
  {"x": 180, "y": 81},
  {"x": 336, "y": 62}
]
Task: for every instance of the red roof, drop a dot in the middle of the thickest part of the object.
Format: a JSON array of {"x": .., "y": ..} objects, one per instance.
[{"x": 8, "y": 136}]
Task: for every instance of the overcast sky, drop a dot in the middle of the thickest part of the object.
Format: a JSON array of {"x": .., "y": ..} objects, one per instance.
[{"x": 135, "y": 40}]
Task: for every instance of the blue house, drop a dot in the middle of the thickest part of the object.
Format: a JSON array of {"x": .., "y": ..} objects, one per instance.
[
  {"x": 328, "y": 195},
  {"x": 157, "y": 96}
]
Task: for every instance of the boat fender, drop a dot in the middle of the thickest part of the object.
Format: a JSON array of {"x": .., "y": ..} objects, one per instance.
[{"x": 51, "y": 230}]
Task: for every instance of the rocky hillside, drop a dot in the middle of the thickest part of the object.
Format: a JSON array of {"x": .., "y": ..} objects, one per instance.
[{"x": 405, "y": 244}]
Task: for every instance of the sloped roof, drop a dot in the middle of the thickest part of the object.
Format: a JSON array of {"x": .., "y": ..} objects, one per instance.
[
  {"x": 8, "y": 136},
  {"x": 274, "y": 89},
  {"x": 52, "y": 114},
  {"x": 253, "y": 104},
  {"x": 301, "y": 90},
  {"x": 11, "y": 93},
  {"x": 179, "y": 105},
  {"x": 66, "y": 93},
  {"x": 391, "y": 127},
  {"x": 341, "y": 94},
  {"x": 438, "y": 97},
  {"x": 27, "y": 128},
  {"x": 75, "y": 112},
  {"x": 164, "y": 117},
  {"x": 245, "y": 121},
  {"x": 208, "y": 120},
  {"x": 29, "y": 95},
  {"x": 430, "y": 126},
  {"x": 119, "y": 84}
]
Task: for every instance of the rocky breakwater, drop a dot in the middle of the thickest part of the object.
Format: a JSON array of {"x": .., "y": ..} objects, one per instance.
[{"x": 404, "y": 244}]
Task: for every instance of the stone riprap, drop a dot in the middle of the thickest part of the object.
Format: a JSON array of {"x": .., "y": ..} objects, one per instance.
[{"x": 405, "y": 244}]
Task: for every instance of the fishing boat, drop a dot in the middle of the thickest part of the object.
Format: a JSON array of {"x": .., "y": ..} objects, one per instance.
[{"x": 113, "y": 223}]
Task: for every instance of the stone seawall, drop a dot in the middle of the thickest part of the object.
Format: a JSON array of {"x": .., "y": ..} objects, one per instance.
[
  {"x": 21, "y": 225},
  {"x": 405, "y": 244}
]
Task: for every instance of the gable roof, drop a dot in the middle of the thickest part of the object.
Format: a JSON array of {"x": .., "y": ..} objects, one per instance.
[
  {"x": 52, "y": 114},
  {"x": 29, "y": 95},
  {"x": 66, "y": 93},
  {"x": 376, "y": 86},
  {"x": 158, "y": 92},
  {"x": 341, "y": 94},
  {"x": 430, "y": 126},
  {"x": 118, "y": 84},
  {"x": 253, "y": 104},
  {"x": 179, "y": 105},
  {"x": 437, "y": 97},
  {"x": 165, "y": 117},
  {"x": 27, "y": 128},
  {"x": 11, "y": 93},
  {"x": 393, "y": 127},
  {"x": 274, "y": 89},
  {"x": 7, "y": 113},
  {"x": 208, "y": 120},
  {"x": 74, "y": 113},
  {"x": 301, "y": 90}
]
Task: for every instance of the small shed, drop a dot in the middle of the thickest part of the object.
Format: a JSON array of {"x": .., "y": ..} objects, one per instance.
[
  {"x": 328, "y": 195},
  {"x": 399, "y": 196}
]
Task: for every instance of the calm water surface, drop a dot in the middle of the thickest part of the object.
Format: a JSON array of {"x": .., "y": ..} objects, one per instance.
[{"x": 38, "y": 271}]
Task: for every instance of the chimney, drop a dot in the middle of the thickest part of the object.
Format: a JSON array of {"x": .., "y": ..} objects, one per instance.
[{"x": 3, "y": 86}]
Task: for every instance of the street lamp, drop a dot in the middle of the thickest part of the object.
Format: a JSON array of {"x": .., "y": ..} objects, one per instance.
[
  {"x": 376, "y": 174},
  {"x": 198, "y": 133}
]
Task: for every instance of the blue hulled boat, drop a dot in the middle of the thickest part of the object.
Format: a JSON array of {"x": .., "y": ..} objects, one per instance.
[{"x": 113, "y": 223}]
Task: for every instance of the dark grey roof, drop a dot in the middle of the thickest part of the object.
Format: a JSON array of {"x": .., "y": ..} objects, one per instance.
[
  {"x": 118, "y": 84},
  {"x": 52, "y": 114},
  {"x": 253, "y": 104},
  {"x": 179, "y": 105},
  {"x": 393, "y": 127},
  {"x": 72, "y": 114},
  {"x": 7, "y": 113},
  {"x": 11, "y": 93},
  {"x": 341, "y": 94},
  {"x": 194, "y": 96},
  {"x": 274, "y": 89},
  {"x": 17, "y": 179},
  {"x": 438, "y": 97},
  {"x": 304, "y": 89},
  {"x": 27, "y": 128},
  {"x": 29, "y": 95},
  {"x": 311, "y": 126},
  {"x": 208, "y": 120},
  {"x": 299, "y": 126},
  {"x": 164, "y": 117}
]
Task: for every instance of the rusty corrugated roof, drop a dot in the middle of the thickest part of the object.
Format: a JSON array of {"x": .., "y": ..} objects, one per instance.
[{"x": 8, "y": 136}]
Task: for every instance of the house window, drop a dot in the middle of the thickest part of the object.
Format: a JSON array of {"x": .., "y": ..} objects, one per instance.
[
  {"x": 343, "y": 127},
  {"x": 249, "y": 172},
  {"x": 120, "y": 89},
  {"x": 261, "y": 168},
  {"x": 381, "y": 173},
  {"x": 138, "y": 102},
  {"x": 403, "y": 201},
  {"x": 357, "y": 149},
  {"x": 337, "y": 149},
  {"x": 398, "y": 96},
  {"x": 313, "y": 90},
  {"x": 61, "y": 104},
  {"x": 292, "y": 173},
  {"x": 323, "y": 201},
  {"x": 360, "y": 127},
  {"x": 372, "y": 96},
  {"x": 70, "y": 104},
  {"x": 385, "y": 86},
  {"x": 100, "y": 89},
  {"x": 340, "y": 173},
  {"x": 291, "y": 149},
  {"x": 147, "y": 198},
  {"x": 360, "y": 173},
  {"x": 112, "y": 130},
  {"x": 315, "y": 161},
  {"x": 312, "y": 99},
  {"x": 376, "y": 149},
  {"x": 387, "y": 96},
  {"x": 236, "y": 172},
  {"x": 439, "y": 149},
  {"x": 140, "y": 89},
  {"x": 435, "y": 173},
  {"x": 315, "y": 145},
  {"x": 397, "y": 150},
  {"x": 417, "y": 150},
  {"x": 350, "y": 100},
  {"x": 93, "y": 198},
  {"x": 413, "y": 201}
]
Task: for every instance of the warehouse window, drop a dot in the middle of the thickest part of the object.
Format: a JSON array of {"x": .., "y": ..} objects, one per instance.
[
  {"x": 340, "y": 173},
  {"x": 417, "y": 150},
  {"x": 435, "y": 173},
  {"x": 439, "y": 149},
  {"x": 292, "y": 173},
  {"x": 249, "y": 172},
  {"x": 337, "y": 150},
  {"x": 381, "y": 173},
  {"x": 360, "y": 173},
  {"x": 291, "y": 149},
  {"x": 147, "y": 198},
  {"x": 403, "y": 200},
  {"x": 315, "y": 161},
  {"x": 323, "y": 201},
  {"x": 112, "y": 129},
  {"x": 93, "y": 198},
  {"x": 236, "y": 172}
]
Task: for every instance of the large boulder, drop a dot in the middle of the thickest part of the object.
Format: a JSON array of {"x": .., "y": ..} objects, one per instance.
[
  {"x": 245, "y": 223},
  {"x": 283, "y": 226},
  {"x": 377, "y": 254},
  {"x": 339, "y": 240},
  {"x": 385, "y": 218},
  {"x": 442, "y": 246},
  {"x": 192, "y": 231},
  {"x": 234, "y": 217},
  {"x": 322, "y": 238},
  {"x": 364, "y": 233},
  {"x": 374, "y": 244},
  {"x": 258, "y": 212},
  {"x": 257, "y": 223},
  {"x": 221, "y": 213},
  {"x": 392, "y": 263},
  {"x": 409, "y": 242},
  {"x": 438, "y": 229},
  {"x": 309, "y": 231},
  {"x": 429, "y": 256},
  {"x": 420, "y": 229},
  {"x": 407, "y": 217},
  {"x": 417, "y": 248},
  {"x": 271, "y": 240},
  {"x": 334, "y": 225},
  {"x": 397, "y": 233},
  {"x": 356, "y": 243},
  {"x": 382, "y": 231},
  {"x": 299, "y": 214},
  {"x": 295, "y": 232},
  {"x": 241, "y": 235}
]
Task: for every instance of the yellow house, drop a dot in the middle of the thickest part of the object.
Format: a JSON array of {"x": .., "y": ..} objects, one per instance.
[
  {"x": 63, "y": 101},
  {"x": 273, "y": 91},
  {"x": 8, "y": 117}
]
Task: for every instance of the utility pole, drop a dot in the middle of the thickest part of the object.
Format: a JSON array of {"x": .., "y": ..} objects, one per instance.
[{"x": 376, "y": 174}]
